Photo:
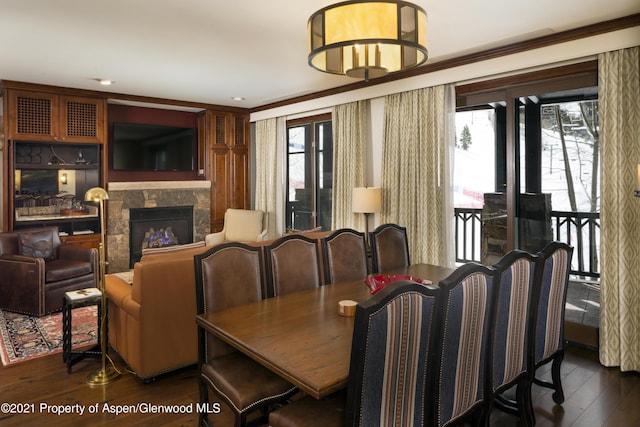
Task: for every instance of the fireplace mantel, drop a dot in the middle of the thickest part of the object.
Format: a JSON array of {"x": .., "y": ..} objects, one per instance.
[
  {"x": 156, "y": 185},
  {"x": 124, "y": 196}
]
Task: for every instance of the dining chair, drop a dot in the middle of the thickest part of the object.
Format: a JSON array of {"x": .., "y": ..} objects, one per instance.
[
  {"x": 549, "y": 326},
  {"x": 293, "y": 264},
  {"x": 461, "y": 383},
  {"x": 344, "y": 255},
  {"x": 389, "y": 248},
  {"x": 228, "y": 275},
  {"x": 511, "y": 360},
  {"x": 391, "y": 362}
]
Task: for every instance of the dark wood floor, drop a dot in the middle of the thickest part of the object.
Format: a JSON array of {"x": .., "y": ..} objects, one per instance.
[{"x": 595, "y": 396}]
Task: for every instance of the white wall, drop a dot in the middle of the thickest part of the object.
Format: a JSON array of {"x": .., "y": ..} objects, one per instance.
[{"x": 547, "y": 57}]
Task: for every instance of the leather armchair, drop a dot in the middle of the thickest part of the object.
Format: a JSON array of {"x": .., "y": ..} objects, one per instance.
[
  {"x": 240, "y": 225},
  {"x": 36, "y": 270}
]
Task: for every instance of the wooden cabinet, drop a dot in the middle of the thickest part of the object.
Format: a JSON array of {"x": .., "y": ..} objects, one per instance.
[
  {"x": 86, "y": 240},
  {"x": 224, "y": 149},
  {"x": 43, "y": 116}
]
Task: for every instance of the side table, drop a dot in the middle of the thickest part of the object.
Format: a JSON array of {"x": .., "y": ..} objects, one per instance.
[{"x": 76, "y": 299}]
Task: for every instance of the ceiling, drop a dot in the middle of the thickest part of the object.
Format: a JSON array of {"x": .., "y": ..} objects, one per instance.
[{"x": 209, "y": 51}]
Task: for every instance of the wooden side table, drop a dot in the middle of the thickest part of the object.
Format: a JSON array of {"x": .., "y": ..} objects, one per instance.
[{"x": 76, "y": 299}]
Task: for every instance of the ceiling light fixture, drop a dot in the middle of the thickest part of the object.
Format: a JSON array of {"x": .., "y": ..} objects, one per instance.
[
  {"x": 367, "y": 39},
  {"x": 105, "y": 82}
]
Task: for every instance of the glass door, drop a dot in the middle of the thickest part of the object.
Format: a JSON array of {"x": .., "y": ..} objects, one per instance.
[{"x": 546, "y": 178}]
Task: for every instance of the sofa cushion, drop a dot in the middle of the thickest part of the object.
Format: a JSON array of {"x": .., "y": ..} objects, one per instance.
[
  {"x": 242, "y": 225},
  {"x": 61, "y": 269},
  {"x": 36, "y": 244},
  {"x": 178, "y": 251},
  {"x": 172, "y": 248}
]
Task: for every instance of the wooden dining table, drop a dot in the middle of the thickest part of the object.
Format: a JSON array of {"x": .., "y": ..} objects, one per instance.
[{"x": 301, "y": 336}]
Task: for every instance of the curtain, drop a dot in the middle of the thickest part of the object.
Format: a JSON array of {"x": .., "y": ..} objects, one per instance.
[
  {"x": 619, "y": 104},
  {"x": 266, "y": 174},
  {"x": 417, "y": 145},
  {"x": 349, "y": 162}
]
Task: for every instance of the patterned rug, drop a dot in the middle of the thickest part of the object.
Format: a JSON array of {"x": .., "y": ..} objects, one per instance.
[{"x": 24, "y": 337}]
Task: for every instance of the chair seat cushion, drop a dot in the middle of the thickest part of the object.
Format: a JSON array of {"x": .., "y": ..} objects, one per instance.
[
  {"x": 61, "y": 269},
  {"x": 244, "y": 382}
]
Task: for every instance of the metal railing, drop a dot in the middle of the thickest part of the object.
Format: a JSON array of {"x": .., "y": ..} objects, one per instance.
[{"x": 578, "y": 229}]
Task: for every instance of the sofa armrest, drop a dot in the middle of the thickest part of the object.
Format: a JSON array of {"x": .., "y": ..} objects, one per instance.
[
  {"x": 262, "y": 235},
  {"x": 119, "y": 293},
  {"x": 22, "y": 283},
  {"x": 214, "y": 238},
  {"x": 79, "y": 253}
]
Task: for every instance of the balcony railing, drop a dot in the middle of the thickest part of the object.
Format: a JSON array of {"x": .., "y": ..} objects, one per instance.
[{"x": 578, "y": 229}]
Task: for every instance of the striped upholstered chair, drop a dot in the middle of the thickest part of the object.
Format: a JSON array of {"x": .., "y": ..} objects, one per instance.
[
  {"x": 512, "y": 363},
  {"x": 391, "y": 356},
  {"x": 461, "y": 386},
  {"x": 549, "y": 329}
]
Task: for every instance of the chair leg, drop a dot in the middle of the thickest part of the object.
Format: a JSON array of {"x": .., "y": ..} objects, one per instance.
[
  {"x": 525, "y": 403},
  {"x": 556, "y": 382},
  {"x": 558, "y": 395},
  {"x": 204, "y": 399}
]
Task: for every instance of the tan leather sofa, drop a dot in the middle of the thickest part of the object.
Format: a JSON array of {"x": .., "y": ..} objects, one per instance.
[{"x": 152, "y": 320}]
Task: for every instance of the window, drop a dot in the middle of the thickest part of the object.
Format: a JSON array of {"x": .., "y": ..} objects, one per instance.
[{"x": 309, "y": 173}]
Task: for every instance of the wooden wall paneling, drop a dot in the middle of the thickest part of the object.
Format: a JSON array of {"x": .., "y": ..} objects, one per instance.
[
  {"x": 32, "y": 116},
  {"x": 239, "y": 181},
  {"x": 43, "y": 116},
  {"x": 226, "y": 161},
  {"x": 82, "y": 119}
]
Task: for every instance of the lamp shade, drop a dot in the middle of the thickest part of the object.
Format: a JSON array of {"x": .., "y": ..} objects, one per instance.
[
  {"x": 96, "y": 194},
  {"x": 367, "y": 39},
  {"x": 367, "y": 200}
]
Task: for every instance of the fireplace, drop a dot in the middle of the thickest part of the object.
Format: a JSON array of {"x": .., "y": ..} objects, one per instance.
[{"x": 158, "y": 227}]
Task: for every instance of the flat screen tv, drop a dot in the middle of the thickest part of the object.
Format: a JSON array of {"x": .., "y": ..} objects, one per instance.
[{"x": 143, "y": 147}]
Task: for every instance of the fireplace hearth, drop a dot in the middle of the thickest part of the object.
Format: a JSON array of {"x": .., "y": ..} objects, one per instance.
[{"x": 158, "y": 227}]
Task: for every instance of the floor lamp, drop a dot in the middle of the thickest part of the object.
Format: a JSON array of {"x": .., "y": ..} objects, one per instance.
[
  {"x": 367, "y": 200},
  {"x": 105, "y": 374}
]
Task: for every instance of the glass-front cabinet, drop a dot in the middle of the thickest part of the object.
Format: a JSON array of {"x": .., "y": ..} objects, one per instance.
[{"x": 50, "y": 180}]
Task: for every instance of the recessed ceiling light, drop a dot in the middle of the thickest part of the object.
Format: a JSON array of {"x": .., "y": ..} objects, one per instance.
[
  {"x": 238, "y": 98},
  {"x": 105, "y": 82}
]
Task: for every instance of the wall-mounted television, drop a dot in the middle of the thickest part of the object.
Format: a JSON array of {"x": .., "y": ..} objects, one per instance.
[{"x": 144, "y": 147}]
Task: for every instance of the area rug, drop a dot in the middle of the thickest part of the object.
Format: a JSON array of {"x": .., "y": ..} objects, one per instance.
[{"x": 24, "y": 337}]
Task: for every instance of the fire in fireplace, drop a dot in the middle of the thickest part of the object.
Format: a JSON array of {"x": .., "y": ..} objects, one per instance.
[
  {"x": 160, "y": 238},
  {"x": 158, "y": 227}
]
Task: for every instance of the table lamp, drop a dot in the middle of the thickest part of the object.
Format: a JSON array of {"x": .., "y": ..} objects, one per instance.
[
  {"x": 105, "y": 374},
  {"x": 367, "y": 200}
]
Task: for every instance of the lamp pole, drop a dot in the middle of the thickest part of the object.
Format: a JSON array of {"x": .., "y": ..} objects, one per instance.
[{"x": 105, "y": 374}]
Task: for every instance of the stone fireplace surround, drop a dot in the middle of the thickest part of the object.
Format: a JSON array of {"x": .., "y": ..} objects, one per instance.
[{"x": 124, "y": 196}]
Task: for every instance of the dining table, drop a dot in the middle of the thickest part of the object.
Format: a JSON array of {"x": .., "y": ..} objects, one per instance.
[{"x": 301, "y": 336}]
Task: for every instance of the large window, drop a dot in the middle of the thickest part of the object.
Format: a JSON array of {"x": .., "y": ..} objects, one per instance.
[{"x": 309, "y": 173}]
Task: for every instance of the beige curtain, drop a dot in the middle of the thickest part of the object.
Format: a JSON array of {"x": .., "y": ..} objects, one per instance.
[
  {"x": 619, "y": 103},
  {"x": 349, "y": 162},
  {"x": 416, "y": 170},
  {"x": 266, "y": 173}
]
